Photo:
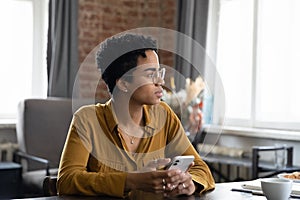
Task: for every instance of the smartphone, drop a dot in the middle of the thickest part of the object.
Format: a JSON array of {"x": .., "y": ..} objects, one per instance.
[{"x": 181, "y": 162}]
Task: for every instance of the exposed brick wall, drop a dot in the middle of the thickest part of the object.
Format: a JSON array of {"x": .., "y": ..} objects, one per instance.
[{"x": 99, "y": 19}]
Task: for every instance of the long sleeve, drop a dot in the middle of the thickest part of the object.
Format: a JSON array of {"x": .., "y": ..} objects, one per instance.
[
  {"x": 200, "y": 172},
  {"x": 78, "y": 171}
]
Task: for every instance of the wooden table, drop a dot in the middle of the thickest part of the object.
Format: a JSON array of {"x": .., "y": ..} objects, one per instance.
[{"x": 222, "y": 191}]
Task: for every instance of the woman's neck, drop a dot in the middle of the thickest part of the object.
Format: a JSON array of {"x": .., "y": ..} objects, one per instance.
[{"x": 128, "y": 114}]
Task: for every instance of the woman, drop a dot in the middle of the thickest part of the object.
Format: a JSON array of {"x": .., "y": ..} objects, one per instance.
[{"x": 118, "y": 148}]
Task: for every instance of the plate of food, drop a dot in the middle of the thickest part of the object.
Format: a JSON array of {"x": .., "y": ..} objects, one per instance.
[{"x": 295, "y": 176}]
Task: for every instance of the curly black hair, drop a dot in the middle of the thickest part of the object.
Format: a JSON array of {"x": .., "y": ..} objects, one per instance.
[{"x": 118, "y": 54}]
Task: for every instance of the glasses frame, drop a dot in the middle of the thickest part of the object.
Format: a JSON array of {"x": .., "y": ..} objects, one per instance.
[{"x": 156, "y": 76}]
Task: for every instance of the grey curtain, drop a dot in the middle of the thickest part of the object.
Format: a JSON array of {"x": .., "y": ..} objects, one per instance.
[
  {"x": 62, "y": 49},
  {"x": 192, "y": 18}
]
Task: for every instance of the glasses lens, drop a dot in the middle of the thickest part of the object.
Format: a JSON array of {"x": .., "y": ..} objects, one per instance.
[
  {"x": 162, "y": 73},
  {"x": 158, "y": 75}
]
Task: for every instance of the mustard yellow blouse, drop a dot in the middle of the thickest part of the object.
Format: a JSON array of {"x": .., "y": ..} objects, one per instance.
[{"x": 95, "y": 160}]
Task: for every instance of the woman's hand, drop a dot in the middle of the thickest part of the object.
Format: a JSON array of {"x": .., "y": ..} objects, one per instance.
[
  {"x": 168, "y": 182},
  {"x": 185, "y": 186},
  {"x": 160, "y": 181}
]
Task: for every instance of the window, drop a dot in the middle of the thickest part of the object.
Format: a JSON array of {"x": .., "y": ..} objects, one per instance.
[
  {"x": 23, "y": 54},
  {"x": 257, "y": 48}
]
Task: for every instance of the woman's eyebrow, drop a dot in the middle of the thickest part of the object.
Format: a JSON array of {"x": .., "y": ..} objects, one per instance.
[{"x": 151, "y": 69}]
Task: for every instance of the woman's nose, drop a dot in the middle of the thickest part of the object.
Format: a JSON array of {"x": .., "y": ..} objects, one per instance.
[{"x": 160, "y": 81}]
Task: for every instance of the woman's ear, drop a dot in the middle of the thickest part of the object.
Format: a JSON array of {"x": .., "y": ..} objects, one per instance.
[{"x": 122, "y": 85}]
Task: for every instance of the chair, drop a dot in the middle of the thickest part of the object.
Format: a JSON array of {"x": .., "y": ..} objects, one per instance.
[
  {"x": 49, "y": 186},
  {"x": 199, "y": 138},
  {"x": 42, "y": 126},
  {"x": 268, "y": 168},
  {"x": 258, "y": 167}
]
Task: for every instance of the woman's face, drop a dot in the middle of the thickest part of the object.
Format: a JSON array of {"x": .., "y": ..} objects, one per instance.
[{"x": 147, "y": 81}]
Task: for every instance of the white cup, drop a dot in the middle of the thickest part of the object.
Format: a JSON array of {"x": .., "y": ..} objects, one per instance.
[{"x": 276, "y": 189}]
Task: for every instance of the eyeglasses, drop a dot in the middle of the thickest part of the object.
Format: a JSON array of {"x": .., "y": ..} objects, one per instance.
[{"x": 158, "y": 75}]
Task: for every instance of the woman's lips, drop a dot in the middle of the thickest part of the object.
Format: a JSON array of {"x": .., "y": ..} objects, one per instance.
[{"x": 159, "y": 93}]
